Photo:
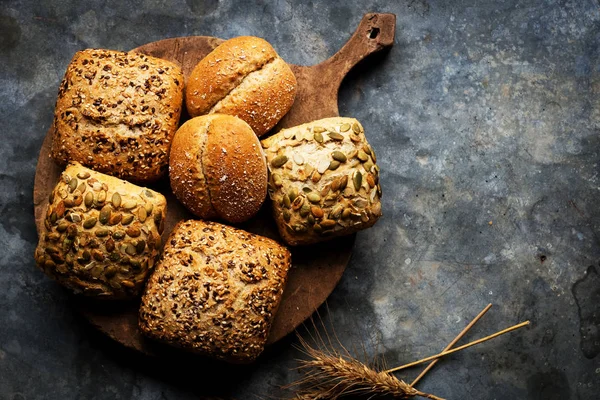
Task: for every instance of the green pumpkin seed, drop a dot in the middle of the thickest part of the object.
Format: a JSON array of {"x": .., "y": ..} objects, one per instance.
[
  {"x": 115, "y": 218},
  {"x": 354, "y": 138},
  {"x": 148, "y": 193},
  {"x": 127, "y": 219},
  {"x": 149, "y": 207},
  {"x": 339, "y": 156},
  {"x": 318, "y": 137},
  {"x": 334, "y": 165},
  {"x": 286, "y": 215},
  {"x": 104, "y": 215},
  {"x": 83, "y": 175},
  {"x": 114, "y": 257},
  {"x": 368, "y": 165},
  {"x": 53, "y": 217},
  {"x": 285, "y": 200},
  {"x": 306, "y": 189},
  {"x": 110, "y": 271},
  {"x": 304, "y": 210},
  {"x": 88, "y": 199},
  {"x": 318, "y": 129},
  {"x": 310, "y": 219},
  {"x": 130, "y": 249},
  {"x": 116, "y": 200},
  {"x": 356, "y": 127},
  {"x": 357, "y": 180},
  {"x": 336, "y": 136},
  {"x": 90, "y": 222},
  {"x": 62, "y": 226},
  {"x": 73, "y": 185},
  {"x": 313, "y": 197},
  {"x": 373, "y": 154},
  {"x": 277, "y": 180},
  {"x": 366, "y": 149},
  {"x": 299, "y": 228},
  {"x": 142, "y": 214},
  {"x": 118, "y": 235},
  {"x": 317, "y": 228},
  {"x": 344, "y": 127},
  {"x": 102, "y": 232},
  {"x": 343, "y": 182},
  {"x": 82, "y": 187},
  {"x": 362, "y": 156},
  {"x": 293, "y": 193},
  {"x": 279, "y": 161}
]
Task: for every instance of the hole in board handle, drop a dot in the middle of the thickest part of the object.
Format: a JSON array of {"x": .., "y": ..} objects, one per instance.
[{"x": 373, "y": 33}]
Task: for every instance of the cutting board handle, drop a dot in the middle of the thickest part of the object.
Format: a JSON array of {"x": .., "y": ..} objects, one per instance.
[{"x": 375, "y": 32}]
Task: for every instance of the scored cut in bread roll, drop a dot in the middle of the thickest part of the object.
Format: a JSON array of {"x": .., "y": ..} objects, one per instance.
[
  {"x": 245, "y": 77},
  {"x": 217, "y": 168}
]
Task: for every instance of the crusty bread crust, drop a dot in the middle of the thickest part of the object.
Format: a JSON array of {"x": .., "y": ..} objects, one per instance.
[
  {"x": 117, "y": 112},
  {"x": 244, "y": 77},
  {"x": 323, "y": 180},
  {"x": 218, "y": 168},
  {"x": 101, "y": 234},
  {"x": 215, "y": 291}
]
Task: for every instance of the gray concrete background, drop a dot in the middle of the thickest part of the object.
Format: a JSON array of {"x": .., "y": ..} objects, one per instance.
[{"x": 485, "y": 116}]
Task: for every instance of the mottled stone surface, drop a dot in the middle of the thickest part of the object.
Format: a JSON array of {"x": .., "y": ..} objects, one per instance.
[{"x": 485, "y": 116}]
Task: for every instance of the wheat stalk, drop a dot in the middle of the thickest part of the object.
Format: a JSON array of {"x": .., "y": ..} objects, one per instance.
[{"x": 330, "y": 373}]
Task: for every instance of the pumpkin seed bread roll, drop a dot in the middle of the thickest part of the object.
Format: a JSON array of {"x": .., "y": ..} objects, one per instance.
[
  {"x": 244, "y": 77},
  {"x": 215, "y": 291},
  {"x": 117, "y": 113},
  {"x": 323, "y": 180},
  {"x": 217, "y": 168},
  {"x": 101, "y": 234}
]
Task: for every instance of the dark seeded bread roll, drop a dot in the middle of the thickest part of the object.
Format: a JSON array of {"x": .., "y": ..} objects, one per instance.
[
  {"x": 218, "y": 168},
  {"x": 244, "y": 77},
  {"x": 101, "y": 235},
  {"x": 215, "y": 291},
  {"x": 117, "y": 113},
  {"x": 323, "y": 180}
]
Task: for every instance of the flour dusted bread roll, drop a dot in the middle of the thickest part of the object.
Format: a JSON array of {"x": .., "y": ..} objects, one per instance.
[
  {"x": 117, "y": 112},
  {"x": 101, "y": 235},
  {"x": 244, "y": 77},
  {"x": 323, "y": 180},
  {"x": 215, "y": 291},
  {"x": 218, "y": 168}
]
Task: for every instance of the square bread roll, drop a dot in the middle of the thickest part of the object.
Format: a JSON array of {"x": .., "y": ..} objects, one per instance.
[
  {"x": 323, "y": 180},
  {"x": 117, "y": 113},
  {"x": 101, "y": 234},
  {"x": 215, "y": 291}
]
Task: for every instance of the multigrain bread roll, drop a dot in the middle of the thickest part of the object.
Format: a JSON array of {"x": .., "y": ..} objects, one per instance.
[
  {"x": 117, "y": 112},
  {"x": 101, "y": 235},
  {"x": 215, "y": 291},
  {"x": 218, "y": 168},
  {"x": 323, "y": 180},
  {"x": 244, "y": 77}
]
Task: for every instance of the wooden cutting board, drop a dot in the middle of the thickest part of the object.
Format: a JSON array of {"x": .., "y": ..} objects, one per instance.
[{"x": 316, "y": 269}]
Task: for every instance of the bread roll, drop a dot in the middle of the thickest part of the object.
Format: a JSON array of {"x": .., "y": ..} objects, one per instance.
[
  {"x": 117, "y": 112},
  {"x": 215, "y": 291},
  {"x": 244, "y": 77},
  {"x": 323, "y": 180},
  {"x": 101, "y": 235},
  {"x": 218, "y": 168}
]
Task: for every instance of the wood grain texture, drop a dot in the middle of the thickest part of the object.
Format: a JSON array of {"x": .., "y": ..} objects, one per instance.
[{"x": 315, "y": 272}]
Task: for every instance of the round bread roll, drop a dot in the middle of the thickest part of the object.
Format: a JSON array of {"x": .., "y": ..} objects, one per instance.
[
  {"x": 244, "y": 77},
  {"x": 218, "y": 169}
]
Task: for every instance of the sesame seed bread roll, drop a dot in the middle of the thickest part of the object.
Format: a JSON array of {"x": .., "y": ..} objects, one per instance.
[
  {"x": 117, "y": 112},
  {"x": 215, "y": 291},
  {"x": 217, "y": 168},
  {"x": 244, "y": 77}
]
